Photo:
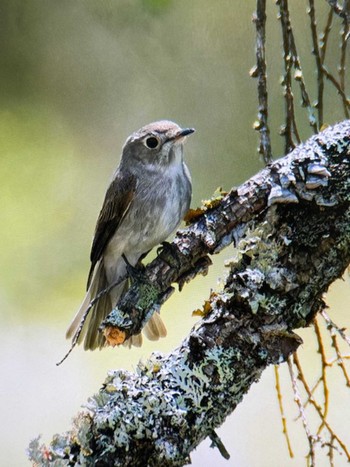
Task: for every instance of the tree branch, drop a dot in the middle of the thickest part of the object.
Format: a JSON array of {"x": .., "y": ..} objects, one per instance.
[{"x": 291, "y": 227}]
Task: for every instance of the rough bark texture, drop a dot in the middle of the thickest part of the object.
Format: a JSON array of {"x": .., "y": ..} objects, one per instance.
[{"x": 291, "y": 227}]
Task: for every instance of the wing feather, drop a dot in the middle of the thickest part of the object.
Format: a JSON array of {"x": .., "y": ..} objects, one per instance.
[{"x": 117, "y": 202}]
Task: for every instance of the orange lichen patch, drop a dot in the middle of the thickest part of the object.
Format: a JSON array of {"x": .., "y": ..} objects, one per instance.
[
  {"x": 204, "y": 311},
  {"x": 193, "y": 214},
  {"x": 211, "y": 203},
  {"x": 114, "y": 336},
  {"x": 156, "y": 368}
]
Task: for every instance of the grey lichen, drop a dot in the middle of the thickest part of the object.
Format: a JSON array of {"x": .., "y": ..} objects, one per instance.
[{"x": 137, "y": 407}]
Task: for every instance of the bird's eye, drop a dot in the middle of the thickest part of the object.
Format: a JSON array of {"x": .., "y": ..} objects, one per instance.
[{"x": 152, "y": 142}]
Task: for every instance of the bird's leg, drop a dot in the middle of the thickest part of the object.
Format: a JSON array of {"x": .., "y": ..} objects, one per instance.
[
  {"x": 166, "y": 247},
  {"x": 136, "y": 273},
  {"x": 169, "y": 254},
  {"x": 139, "y": 263}
]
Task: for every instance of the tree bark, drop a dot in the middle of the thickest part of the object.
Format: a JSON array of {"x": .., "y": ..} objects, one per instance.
[{"x": 290, "y": 225}]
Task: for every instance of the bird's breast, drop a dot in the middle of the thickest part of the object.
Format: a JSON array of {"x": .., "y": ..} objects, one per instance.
[{"x": 160, "y": 203}]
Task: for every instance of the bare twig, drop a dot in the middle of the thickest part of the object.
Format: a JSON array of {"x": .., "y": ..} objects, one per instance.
[
  {"x": 340, "y": 331},
  {"x": 288, "y": 35},
  {"x": 343, "y": 47},
  {"x": 330, "y": 364},
  {"x": 216, "y": 442},
  {"x": 345, "y": 34},
  {"x": 345, "y": 100},
  {"x": 323, "y": 378},
  {"x": 259, "y": 72},
  {"x": 325, "y": 36},
  {"x": 289, "y": 130},
  {"x": 298, "y": 76},
  {"x": 319, "y": 68},
  {"x": 333, "y": 329},
  {"x": 331, "y": 452},
  {"x": 322, "y": 411},
  {"x": 283, "y": 417},
  {"x": 311, "y": 439},
  {"x": 318, "y": 408},
  {"x": 340, "y": 358}
]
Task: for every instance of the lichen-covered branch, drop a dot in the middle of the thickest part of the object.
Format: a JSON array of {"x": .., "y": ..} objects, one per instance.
[
  {"x": 288, "y": 181},
  {"x": 291, "y": 228}
]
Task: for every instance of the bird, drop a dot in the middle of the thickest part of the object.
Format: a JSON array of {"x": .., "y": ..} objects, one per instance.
[{"x": 148, "y": 196}]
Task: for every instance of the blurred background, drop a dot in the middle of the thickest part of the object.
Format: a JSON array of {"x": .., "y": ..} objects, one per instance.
[{"x": 76, "y": 78}]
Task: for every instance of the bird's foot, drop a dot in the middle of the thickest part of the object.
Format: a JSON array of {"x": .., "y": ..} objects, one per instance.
[
  {"x": 169, "y": 254},
  {"x": 166, "y": 247},
  {"x": 136, "y": 273}
]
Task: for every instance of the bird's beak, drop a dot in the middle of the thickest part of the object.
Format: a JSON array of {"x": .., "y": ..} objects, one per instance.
[
  {"x": 181, "y": 134},
  {"x": 184, "y": 132}
]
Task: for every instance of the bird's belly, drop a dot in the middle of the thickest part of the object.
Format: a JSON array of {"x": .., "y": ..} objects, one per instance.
[
  {"x": 154, "y": 214},
  {"x": 150, "y": 223}
]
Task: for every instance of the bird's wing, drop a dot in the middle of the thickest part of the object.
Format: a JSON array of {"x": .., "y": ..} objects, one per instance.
[{"x": 118, "y": 199}]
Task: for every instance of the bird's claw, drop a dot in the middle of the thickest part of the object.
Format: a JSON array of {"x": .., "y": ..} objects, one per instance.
[
  {"x": 136, "y": 273},
  {"x": 166, "y": 248}
]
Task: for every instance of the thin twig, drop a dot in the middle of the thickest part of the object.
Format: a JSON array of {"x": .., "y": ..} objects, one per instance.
[
  {"x": 319, "y": 68},
  {"x": 298, "y": 75},
  {"x": 345, "y": 100},
  {"x": 317, "y": 407},
  {"x": 283, "y": 417},
  {"x": 342, "y": 61},
  {"x": 330, "y": 364},
  {"x": 216, "y": 442},
  {"x": 331, "y": 452},
  {"x": 297, "y": 399},
  {"x": 319, "y": 52},
  {"x": 340, "y": 358},
  {"x": 343, "y": 44},
  {"x": 290, "y": 128},
  {"x": 340, "y": 331},
  {"x": 259, "y": 72},
  {"x": 324, "y": 364},
  {"x": 325, "y": 36}
]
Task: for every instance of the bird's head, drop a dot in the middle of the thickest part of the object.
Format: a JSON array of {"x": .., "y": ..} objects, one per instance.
[{"x": 158, "y": 144}]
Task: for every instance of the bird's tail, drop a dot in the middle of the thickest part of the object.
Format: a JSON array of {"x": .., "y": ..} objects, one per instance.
[{"x": 90, "y": 333}]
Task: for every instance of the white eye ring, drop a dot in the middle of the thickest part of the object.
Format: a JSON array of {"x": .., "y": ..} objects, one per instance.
[{"x": 151, "y": 142}]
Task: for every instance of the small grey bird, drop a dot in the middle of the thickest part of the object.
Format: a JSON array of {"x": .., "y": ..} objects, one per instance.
[{"x": 148, "y": 197}]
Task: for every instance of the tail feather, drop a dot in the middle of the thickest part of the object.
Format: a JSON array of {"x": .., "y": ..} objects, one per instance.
[
  {"x": 93, "y": 337},
  {"x": 155, "y": 328},
  {"x": 90, "y": 334},
  {"x": 75, "y": 323},
  {"x": 133, "y": 341}
]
